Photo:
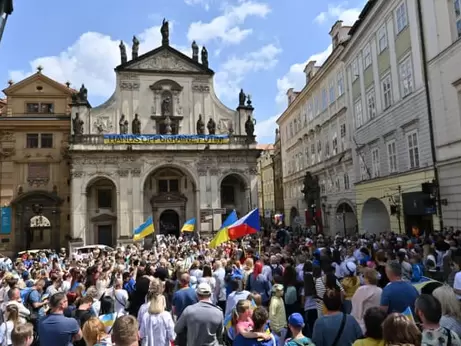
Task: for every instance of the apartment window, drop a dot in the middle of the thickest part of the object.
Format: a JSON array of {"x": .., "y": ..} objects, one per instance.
[
  {"x": 387, "y": 91},
  {"x": 335, "y": 145},
  {"x": 310, "y": 110},
  {"x": 401, "y": 17},
  {"x": 317, "y": 104},
  {"x": 371, "y": 104},
  {"x": 382, "y": 39},
  {"x": 358, "y": 113},
  {"x": 392, "y": 156},
  {"x": 337, "y": 184},
  {"x": 36, "y": 107},
  {"x": 457, "y": 5},
  {"x": 340, "y": 84},
  {"x": 343, "y": 130},
  {"x": 324, "y": 99},
  {"x": 168, "y": 185},
  {"x": 104, "y": 198},
  {"x": 46, "y": 140},
  {"x": 322, "y": 188},
  {"x": 327, "y": 149},
  {"x": 346, "y": 181},
  {"x": 363, "y": 168},
  {"x": 413, "y": 149},
  {"x": 406, "y": 77},
  {"x": 32, "y": 140},
  {"x": 355, "y": 70},
  {"x": 367, "y": 56},
  {"x": 375, "y": 162},
  {"x": 332, "y": 92}
]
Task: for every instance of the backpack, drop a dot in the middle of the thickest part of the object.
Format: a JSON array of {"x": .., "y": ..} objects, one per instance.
[{"x": 33, "y": 317}]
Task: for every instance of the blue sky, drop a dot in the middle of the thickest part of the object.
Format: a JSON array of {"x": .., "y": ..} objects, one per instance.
[{"x": 260, "y": 46}]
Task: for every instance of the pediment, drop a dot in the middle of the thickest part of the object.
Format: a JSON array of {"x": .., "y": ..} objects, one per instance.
[
  {"x": 104, "y": 217},
  {"x": 165, "y": 59},
  {"x": 38, "y": 84}
]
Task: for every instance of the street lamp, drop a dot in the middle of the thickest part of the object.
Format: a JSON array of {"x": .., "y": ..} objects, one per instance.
[{"x": 6, "y": 8}]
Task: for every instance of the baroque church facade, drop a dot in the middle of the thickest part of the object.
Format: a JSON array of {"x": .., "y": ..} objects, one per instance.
[{"x": 188, "y": 171}]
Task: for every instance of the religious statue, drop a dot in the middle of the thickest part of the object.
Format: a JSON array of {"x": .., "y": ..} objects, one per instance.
[
  {"x": 311, "y": 189},
  {"x": 194, "y": 51},
  {"x": 211, "y": 127},
  {"x": 165, "y": 31},
  {"x": 83, "y": 94},
  {"x": 250, "y": 126},
  {"x": 249, "y": 102},
  {"x": 204, "y": 57},
  {"x": 135, "y": 48},
  {"x": 166, "y": 106},
  {"x": 242, "y": 98},
  {"x": 200, "y": 126},
  {"x": 78, "y": 125},
  {"x": 123, "y": 123},
  {"x": 277, "y": 135},
  {"x": 123, "y": 55},
  {"x": 168, "y": 129},
  {"x": 136, "y": 125}
]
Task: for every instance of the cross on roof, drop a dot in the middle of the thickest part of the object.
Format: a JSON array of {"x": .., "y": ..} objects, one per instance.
[{"x": 39, "y": 68}]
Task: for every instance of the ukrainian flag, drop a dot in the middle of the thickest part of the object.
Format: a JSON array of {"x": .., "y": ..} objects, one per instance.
[
  {"x": 223, "y": 234},
  {"x": 409, "y": 314},
  {"x": 144, "y": 230},
  {"x": 108, "y": 321},
  {"x": 189, "y": 225}
]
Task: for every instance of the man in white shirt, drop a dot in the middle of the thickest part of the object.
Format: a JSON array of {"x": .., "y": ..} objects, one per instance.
[{"x": 14, "y": 298}]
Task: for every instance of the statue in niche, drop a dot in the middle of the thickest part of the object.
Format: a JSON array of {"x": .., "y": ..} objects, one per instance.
[
  {"x": 211, "y": 127},
  {"x": 194, "y": 51},
  {"x": 250, "y": 126},
  {"x": 123, "y": 55},
  {"x": 78, "y": 125},
  {"x": 204, "y": 57},
  {"x": 136, "y": 125},
  {"x": 242, "y": 98},
  {"x": 165, "y": 31},
  {"x": 135, "y": 48},
  {"x": 83, "y": 94},
  {"x": 200, "y": 126},
  {"x": 166, "y": 106},
  {"x": 123, "y": 123},
  {"x": 168, "y": 126}
]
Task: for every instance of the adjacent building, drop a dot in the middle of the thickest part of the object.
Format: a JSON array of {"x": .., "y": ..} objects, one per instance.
[
  {"x": 388, "y": 106},
  {"x": 148, "y": 151},
  {"x": 278, "y": 175},
  {"x": 315, "y": 144},
  {"x": 34, "y": 167},
  {"x": 442, "y": 33},
  {"x": 266, "y": 181}
]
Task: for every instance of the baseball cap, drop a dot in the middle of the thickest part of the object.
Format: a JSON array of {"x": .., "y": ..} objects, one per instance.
[
  {"x": 203, "y": 289},
  {"x": 296, "y": 320},
  {"x": 277, "y": 287}
]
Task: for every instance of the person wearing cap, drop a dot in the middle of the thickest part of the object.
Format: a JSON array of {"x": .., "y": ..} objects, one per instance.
[
  {"x": 277, "y": 314},
  {"x": 296, "y": 325},
  {"x": 350, "y": 283},
  {"x": 203, "y": 322}
]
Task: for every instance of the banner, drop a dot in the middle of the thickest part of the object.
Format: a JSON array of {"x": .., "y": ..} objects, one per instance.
[
  {"x": 166, "y": 139},
  {"x": 5, "y": 214}
]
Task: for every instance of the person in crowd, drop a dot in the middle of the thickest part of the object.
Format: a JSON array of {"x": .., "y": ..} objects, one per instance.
[
  {"x": 429, "y": 311},
  {"x": 366, "y": 296},
  {"x": 22, "y": 335},
  {"x": 125, "y": 331},
  {"x": 398, "y": 295},
  {"x": 220, "y": 290},
  {"x": 56, "y": 329},
  {"x": 258, "y": 282},
  {"x": 296, "y": 325},
  {"x": 203, "y": 321},
  {"x": 277, "y": 314},
  {"x": 380, "y": 259},
  {"x": 207, "y": 277},
  {"x": 183, "y": 297},
  {"x": 94, "y": 333},
  {"x": 237, "y": 293},
  {"x": 309, "y": 294},
  {"x": 290, "y": 284},
  {"x": 121, "y": 298},
  {"x": 451, "y": 309},
  {"x": 350, "y": 283},
  {"x": 335, "y": 328},
  {"x": 400, "y": 330},
  {"x": 11, "y": 321},
  {"x": 248, "y": 267},
  {"x": 372, "y": 320},
  {"x": 326, "y": 282},
  {"x": 56, "y": 283},
  {"x": 259, "y": 318},
  {"x": 14, "y": 298}
]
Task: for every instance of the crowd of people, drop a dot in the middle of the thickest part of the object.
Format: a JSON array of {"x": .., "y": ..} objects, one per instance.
[{"x": 280, "y": 288}]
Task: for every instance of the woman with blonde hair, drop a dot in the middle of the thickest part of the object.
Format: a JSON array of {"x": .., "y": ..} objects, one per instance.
[
  {"x": 247, "y": 270},
  {"x": 94, "y": 333},
  {"x": 12, "y": 320},
  {"x": 399, "y": 330},
  {"x": 156, "y": 325},
  {"x": 451, "y": 310}
]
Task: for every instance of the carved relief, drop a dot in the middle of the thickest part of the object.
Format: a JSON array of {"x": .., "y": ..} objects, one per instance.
[
  {"x": 252, "y": 171},
  {"x": 38, "y": 174},
  {"x": 232, "y": 159},
  {"x": 136, "y": 172},
  {"x": 7, "y": 152},
  {"x": 129, "y": 85},
  {"x": 201, "y": 88},
  {"x": 123, "y": 172},
  {"x": 103, "y": 160},
  {"x": 225, "y": 126},
  {"x": 103, "y": 125},
  {"x": 128, "y": 75},
  {"x": 164, "y": 61},
  {"x": 76, "y": 174},
  {"x": 6, "y": 136}
]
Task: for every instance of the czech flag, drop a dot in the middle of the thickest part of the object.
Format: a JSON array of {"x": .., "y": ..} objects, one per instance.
[
  {"x": 144, "y": 230},
  {"x": 222, "y": 236},
  {"x": 249, "y": 224},
  {"x": 189, "y": 225}
]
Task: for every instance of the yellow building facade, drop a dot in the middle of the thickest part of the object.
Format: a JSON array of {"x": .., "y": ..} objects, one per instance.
[
  {"x": 34, "y": 168},
  {"x": 266, "y": 194}
]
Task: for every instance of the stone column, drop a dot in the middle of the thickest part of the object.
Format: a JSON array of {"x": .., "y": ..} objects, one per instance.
[
  {"x": 215, "y": 196},
  {"x": 203, "y": 173},
  {"x": 123, "y": 211},
  {"x": 137, "y": 198},
  {"x": 198, "y": 224},
  {"x": 79, "y": 208}
]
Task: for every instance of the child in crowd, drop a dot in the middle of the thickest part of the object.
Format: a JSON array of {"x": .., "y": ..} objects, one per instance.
[
  {"x": 296, "y": 325},
  {"x": 260, "y": 318},
  {"x": 22, "y": 335}
]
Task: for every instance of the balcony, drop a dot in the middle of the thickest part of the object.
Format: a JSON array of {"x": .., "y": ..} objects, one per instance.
[{"x": 92, "y": 142}]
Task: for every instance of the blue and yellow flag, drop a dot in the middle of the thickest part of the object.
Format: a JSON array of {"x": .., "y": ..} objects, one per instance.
[
  {"x": 409, "y": 314},
  {"x": 223, "y": 234},
  {"x": 108, "y": 321},
  {"x": 144, "y": 230},
  {"x": 189, "y": 225}
]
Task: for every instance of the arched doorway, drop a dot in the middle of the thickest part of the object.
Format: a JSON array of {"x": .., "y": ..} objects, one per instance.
[
  {"x": 169, "y": 191},
  {"x": 375, "y": 218},
  {"x": 234, "y": 195},
  {"x": 169, "y": 223},
  {"x": 346, "y": 221},
  {"x": 293, "y": 215},
  {"x": 40, "y": 236},
  {"x": 102, "y": 212}
]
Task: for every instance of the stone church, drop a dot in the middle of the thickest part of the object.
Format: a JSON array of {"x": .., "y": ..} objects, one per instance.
[{"x": 183, "y": 174}]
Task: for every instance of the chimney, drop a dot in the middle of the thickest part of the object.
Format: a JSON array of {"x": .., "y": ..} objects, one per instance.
[
  {"x": 339, "y": 33},
  {"x": 310, "y": 70}
]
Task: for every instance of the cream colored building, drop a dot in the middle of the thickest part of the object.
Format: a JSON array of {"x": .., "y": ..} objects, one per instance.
[
  {"x": 266, "y": 181},
  {"x": 315, "y": 138},
  {"x": 115, "y": 187}
]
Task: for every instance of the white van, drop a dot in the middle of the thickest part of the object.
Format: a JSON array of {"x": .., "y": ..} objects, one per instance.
[{"x": 85, "y": 251}]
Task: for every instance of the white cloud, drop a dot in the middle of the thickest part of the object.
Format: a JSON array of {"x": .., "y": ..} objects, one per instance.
[
  {"x": 228, "y": 80},
  {"x": 227, "y": 26},
  {"x": 204, "y": 3},
  {"x": 265, "y": 129},
  {"x": 338, "y": 12}
]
